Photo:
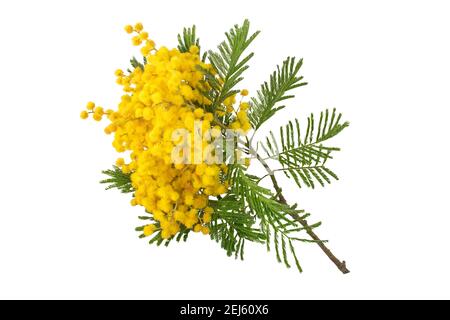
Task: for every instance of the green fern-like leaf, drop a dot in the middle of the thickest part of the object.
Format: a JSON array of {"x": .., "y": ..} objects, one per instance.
[
  {"x": 232, "y": 225},
  {"x": 117, "y": 180},
  {"x": 188, "y": 39},
  {"x": 282, "y": 80},
  {"x": 304, "y": 158},
  {"x": 275, "y": 218},
  {"x": 137, "y": 64},
  {"x": 229, "y": 63}
]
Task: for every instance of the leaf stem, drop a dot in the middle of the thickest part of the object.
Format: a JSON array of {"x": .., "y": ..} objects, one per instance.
[{"x": 341, "y": 265}]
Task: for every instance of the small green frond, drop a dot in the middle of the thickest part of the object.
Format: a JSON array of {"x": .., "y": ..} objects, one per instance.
[
  {"x": 145, "y": 217},
  {"x": 182, "y": 235},
  {"x": 137, "y": 64},
  {"x": 276, "y": 219},
  {"x": 117, "y": 179},
  {"x": 297, "y": 263},
  {"x": 282, "y": 80},
  {"x": 231, "y": 225},
  {"x": 229, "y": 64},
  {"x": 280, "y": 239},
  {"x": 157, "y": 239},
  {"x": 310, "y": 175},
  {"x": 328, "y": 127},
  {"x": 187, "y": 39},
  {"x": 304, "y": 157},
  {"x": 261, "y": 201}
]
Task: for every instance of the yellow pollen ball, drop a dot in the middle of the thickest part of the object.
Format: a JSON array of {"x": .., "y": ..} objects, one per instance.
[
  {"x": 144, "y": 35},
  {"x": 244, "y": 92},
  {"x": 205, "y": 230},
  {"x": 145, "y": 50},
  {"x": 149, "y": 230},
  {"x": 120, "y": 162},
  {"x": 138, "y": 27},
  {"x": 128, "y": 29},
  {"x": 90, "y": 105},
  {"x": 98, "y": 110},
  {"x": 198, "y": 113},
  {"x": 136, "y": 40},
  {"x": 84, "y": 114}
]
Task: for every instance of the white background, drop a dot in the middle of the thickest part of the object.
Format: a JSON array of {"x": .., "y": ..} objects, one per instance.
[{"x": 384, "y": 64}]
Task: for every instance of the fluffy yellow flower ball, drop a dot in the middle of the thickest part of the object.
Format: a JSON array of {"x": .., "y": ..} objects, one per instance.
[{"x": 160, "y": 98}]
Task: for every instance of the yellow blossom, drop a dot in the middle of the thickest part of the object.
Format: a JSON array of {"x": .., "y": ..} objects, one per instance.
[
  {"x": 157, "y": 100},
  {"x": 205, "y": 230},
  {"x": 120, "y": 162},
  {"x": 138, "y": 27},
  {"x": 128, "y": 29},
  {"x": 84, "y": 114},
  {"x": 90, "y": 105},
  {"x": 149, "y": 229}
]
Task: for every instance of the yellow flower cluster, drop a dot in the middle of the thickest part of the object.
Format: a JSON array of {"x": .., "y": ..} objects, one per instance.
[
  {"x": 96, "y": 111},
  {"x": 242, "y": 122},
  {"x": 159, "y": 99}
]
